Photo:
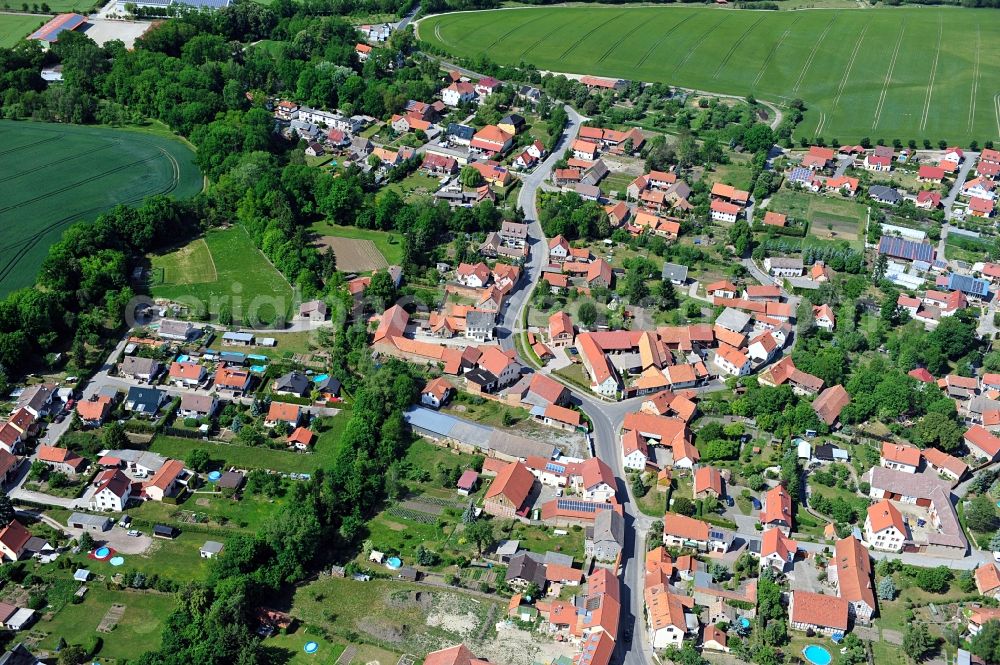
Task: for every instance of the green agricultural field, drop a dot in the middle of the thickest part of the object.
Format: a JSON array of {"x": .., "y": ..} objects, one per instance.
[
  {"x": 894, "y": 73},
  {"x": 54, "y": 175},
  {"x": 15, "y": 27},
  {"x": 223, "y": 268}
]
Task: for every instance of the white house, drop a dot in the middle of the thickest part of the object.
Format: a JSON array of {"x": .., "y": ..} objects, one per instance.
[
  {"x": 781, "y": 266},
  {"x": 824, "y": 318},
  {"x": 732, "y": 361},
  {"x": 885, "y": 529},
  {"x": 113, "y": 491},
  {"x": 635, "y": 451},
  {"x": 458, "y": 93}
]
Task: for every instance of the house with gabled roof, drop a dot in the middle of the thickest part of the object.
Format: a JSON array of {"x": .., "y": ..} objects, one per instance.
[
  {"x": 509, "y": 492},
  {"x": 60, "y": 459},
  {"x": 885, "y": 528},
  {"x": 850, "y": 571},
  {"x": 982, "y": 443},
  {"x": 684, "y": 531},
  {"x": 776, "y": 511},
  {"x": 13, "y": 540},
  {"x": 829, "y": 403},
  {"x": 777, "y": 551},
  {"x": 988, "y": 580},
  {"x": 817, "y": 612},
  {"x": 114, "y": 490},
  {"x": 283, "y": 412}
]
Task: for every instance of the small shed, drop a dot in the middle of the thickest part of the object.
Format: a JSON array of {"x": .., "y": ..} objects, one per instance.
[
  {"x": 467, "y": 482},
  {"x": 81, "y": 575},
  {"x": 230, "y": 480},
  {"x": 376, "y": 556},
  {"x": 408, "y": 574},
  {"x": 89, "y": 522},
  {"x": 164, "y": 531},
  {"x": 210, "y": 549},
  {"x": 21, "y": 619}
]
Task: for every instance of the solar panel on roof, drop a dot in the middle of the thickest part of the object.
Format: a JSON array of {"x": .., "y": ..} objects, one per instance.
[{"x": 557, "y": 468}]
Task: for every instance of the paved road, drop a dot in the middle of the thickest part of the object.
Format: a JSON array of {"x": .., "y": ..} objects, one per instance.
[
  {"x": 409, "y": 17},
  {"x": 963, "y": 173},
  {"x": 527, "y": 201}
]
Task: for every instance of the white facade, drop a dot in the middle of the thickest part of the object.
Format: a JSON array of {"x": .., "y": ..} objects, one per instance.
[{"x": 888, "y": 539}]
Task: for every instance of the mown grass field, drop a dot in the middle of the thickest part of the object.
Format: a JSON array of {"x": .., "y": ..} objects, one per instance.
[
  {"x": 223, "y": 268},
  {"x": 390, "y": 245},
  {"x": 14, "y": 27},
  {"x": 893, "y": 73},
  {"x": 54, "y": 175}
]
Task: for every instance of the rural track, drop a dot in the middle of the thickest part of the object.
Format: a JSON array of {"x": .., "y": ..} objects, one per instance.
[
  {"x": 930, "y": 82},
  {"x": 656, "y": 44},
  {"x": 774, "y": 49},
  {"x": 975, "y": 78},
  {"x": 888, "y": 77},
  {"x": 812, "y": 54},
  {"x": 996, "y": 110},
  {"x": 619, "y": 42},
  {"x": 694, "y": 47},
  {"x": 850, "y": 66},
  {"x": 735, "y": 46},
  {"x": 587, "y": 34}
]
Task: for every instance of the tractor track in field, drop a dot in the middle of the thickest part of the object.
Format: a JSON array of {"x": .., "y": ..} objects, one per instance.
[
  {"x": 78, "y": 183},
  {"x": 61, "y": 160},
  {"x": 975, "y": 78},
  {"x": 619, "y": 42},
  {"x": 27, "y": 244},
  {"x": 850, "y": 66},
  {"x": 812, "y": 54},
  {"x": 587, "y": 34},
  {"x": 996, "y": 110},
  {"x": 888, "y": 77},
  {"x": 930, "y": 82},
  {"x": 694, "y": 47},
  {"x": 30, "y": 145},
  {"x": 663, "y": 37},
  {"x": 774, "y": 49},
  {"x": 735, "y": 46},
  {"x": 511, "y": 31}
]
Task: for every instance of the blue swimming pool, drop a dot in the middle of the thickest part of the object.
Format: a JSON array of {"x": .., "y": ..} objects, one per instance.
[
  {"x": 102, "y": 552},
  {"x": 321, "y": 378},
  {"x": 117, "y": 560},
  {"x": 817, "y": 655},
  {"x": 394, "y": 563},
  {"x": 183, "y": 359},
  {"x": 745, "y": 622},
  {"x": 311, "y": 647},
  {"x": 214, "y": 475}
]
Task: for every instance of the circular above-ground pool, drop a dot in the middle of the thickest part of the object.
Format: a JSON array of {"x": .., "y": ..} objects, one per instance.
[
  {"x": 817, "y": 655},
  {"x": 310, "y": 647},
  {"x": 394, "y": 563},
  {"x": 117, "y": 560},
  {"x": 214, "y": 475},
  {"x": 102, "y": 552}
]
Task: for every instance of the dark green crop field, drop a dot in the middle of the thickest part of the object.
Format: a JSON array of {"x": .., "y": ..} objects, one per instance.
[
  {"x": 908, "y": 73},
  {"x": 53, "y": 175}
]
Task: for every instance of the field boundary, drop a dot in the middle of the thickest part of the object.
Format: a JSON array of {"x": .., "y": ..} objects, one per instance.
[{"x": 888, "y": 77}]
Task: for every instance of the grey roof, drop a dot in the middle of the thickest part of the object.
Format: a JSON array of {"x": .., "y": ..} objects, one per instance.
[
  {"x": 674, "y": 271},
  {"x": 230, "y": 480},
  {"x": 595, "y": 173},
  {"x": 143, "y": 458},
  {"x": 139, "y": 365},
  {"x": 238, "y": 337},
  {"x": 486, "y": 438},
  {"x": 588, "y": 191},
  {"x": 883, "y": 193},
  {"x": 330, "y": 384},
  {"x": 175, "y": 329},
  {"x": 19, "y": 655},
  {"x": 92, "y": 520},
  {"x": 480, "y": 376},
  {"x": 557, "y": 558},
  {"x": 733, "y": 319},
  {"x": 512, "y": 119},
  {"x": 526, "y": 567},
  {"x": 609, "y": 525},
  {"x": 508, "y": 547},
  {"x": 198, "y": 403},
  {"x": 477, "y": 319},
  {"x": 293, "y": 382},
  {"x": 144, "y": 400},
  {"x": 36, "y": 396},
  {"x": 921, "y": 485},
  {"x": 212, "y": 546},
  {"x": 461, "y": 131},
  {"x": 784, "y": 262}
]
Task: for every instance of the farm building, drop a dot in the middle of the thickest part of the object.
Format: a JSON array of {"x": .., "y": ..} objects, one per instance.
[{"x": 49, "y": 33}]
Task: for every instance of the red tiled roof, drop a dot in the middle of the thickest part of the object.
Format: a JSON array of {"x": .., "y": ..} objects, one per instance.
[
  {"x": 818, "y": 610},
  {"x": 514, "y": 482},
  {"x": 901, "y": 454}
]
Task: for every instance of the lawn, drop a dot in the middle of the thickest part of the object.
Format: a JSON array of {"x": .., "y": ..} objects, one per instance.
[
  {"x": 293, "y": 645},
  {"x": 223, "y": 268},
  {"x": 139, "y": 629},
  {"x": 54, "y": 175},
  {"x": 213, "y": 511},
  {"x": 416, "y": 183},
  {"x": 829, "y": 217},
  {"x": 888, "y": 72},
  {"x": 14, "y": 27},
  {"x": 397, "y": 616},
  {"x": 324, "y": 452},
  {"x": 389, "y": 244}
]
